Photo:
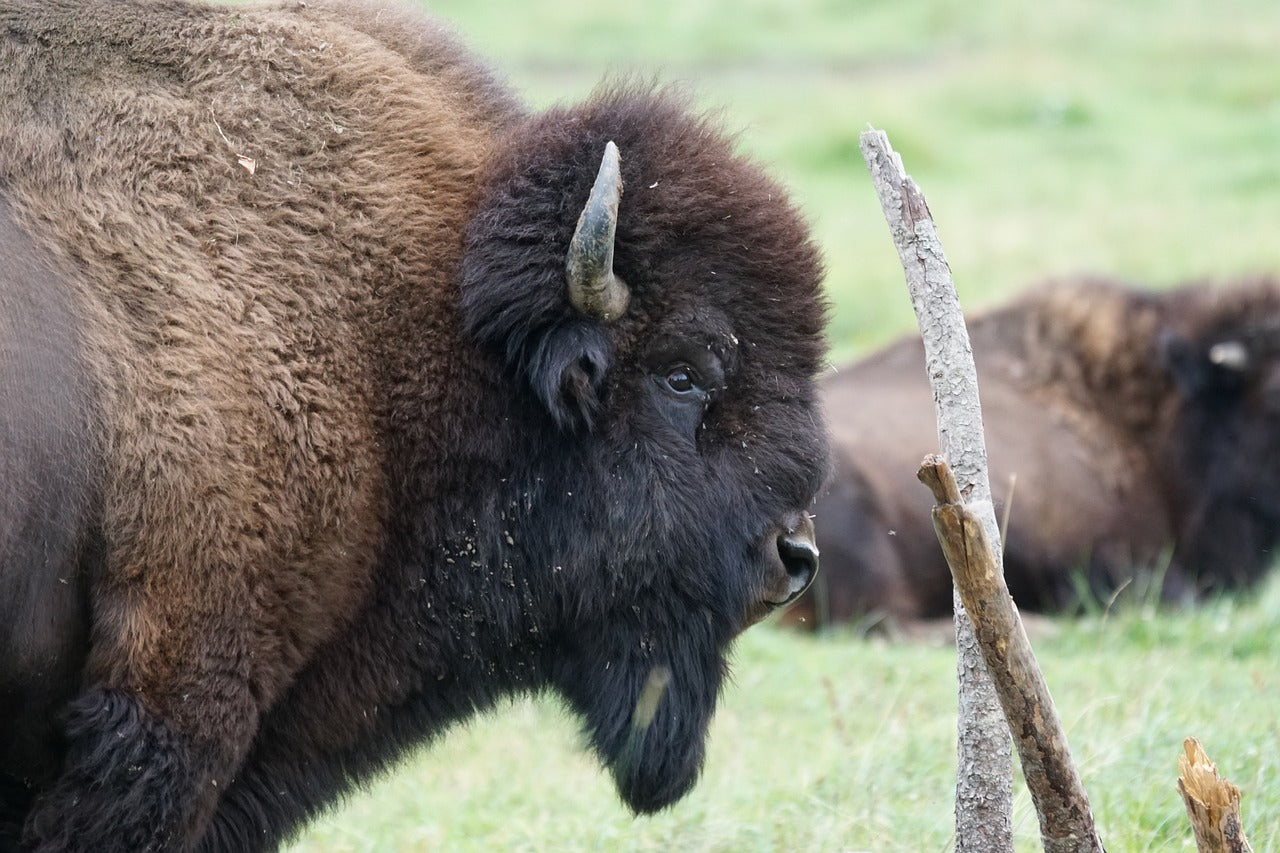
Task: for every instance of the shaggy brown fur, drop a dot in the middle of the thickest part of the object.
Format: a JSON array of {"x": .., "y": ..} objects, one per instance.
[
  {"x": 1124, "y": 446},
  {"x": 319, "y": 411}
]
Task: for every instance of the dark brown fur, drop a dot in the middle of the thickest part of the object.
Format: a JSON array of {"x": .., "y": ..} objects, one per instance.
[
  {"x": 328, "y": 459},
  {"x": 1123, "y": 449},
  {"x": 47, "y": 494}
]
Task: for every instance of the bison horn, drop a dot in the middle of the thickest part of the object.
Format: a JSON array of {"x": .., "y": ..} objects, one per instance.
[
  {"x": 1231, "y": 355},
  {"x": 593, "y": 288}
]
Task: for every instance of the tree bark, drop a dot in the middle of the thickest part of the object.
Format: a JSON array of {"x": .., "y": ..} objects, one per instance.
[
  {"x": 1213, "y": 803},
  {"x": 1066, "y": 820},
  {"x": 984, "y": 775}
]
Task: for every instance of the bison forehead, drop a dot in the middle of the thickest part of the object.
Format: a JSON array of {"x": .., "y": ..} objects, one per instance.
[
  {"x": 724, "y": 237},
  {"x": 703, "y": 328},
  {"x": 1246, "y": 310}
]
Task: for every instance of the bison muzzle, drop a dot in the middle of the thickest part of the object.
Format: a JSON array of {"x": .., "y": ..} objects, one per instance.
[{"x": 344, "y": 396}]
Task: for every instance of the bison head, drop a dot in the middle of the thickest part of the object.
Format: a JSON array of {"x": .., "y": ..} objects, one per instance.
[
  {"x": 1224, "y": 446},
  {"x": 655, "y": 304}
]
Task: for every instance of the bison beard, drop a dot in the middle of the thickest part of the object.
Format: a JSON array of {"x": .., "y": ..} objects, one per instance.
[{"x": 439, "y": 402}]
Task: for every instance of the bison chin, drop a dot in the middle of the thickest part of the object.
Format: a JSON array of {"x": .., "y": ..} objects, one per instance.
[{"x": 646, "y": 713}]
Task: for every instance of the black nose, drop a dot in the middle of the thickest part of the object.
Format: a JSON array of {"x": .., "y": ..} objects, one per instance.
[{"x": 799, "y": 555}]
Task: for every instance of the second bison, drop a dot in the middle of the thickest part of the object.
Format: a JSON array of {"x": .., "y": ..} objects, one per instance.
[{"x": 1129, "y": 433}]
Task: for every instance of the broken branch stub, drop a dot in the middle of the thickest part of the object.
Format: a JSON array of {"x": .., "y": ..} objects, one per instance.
[
  {"x": 1213, "y": 803},
  {"x": 1066, "y": 820}
]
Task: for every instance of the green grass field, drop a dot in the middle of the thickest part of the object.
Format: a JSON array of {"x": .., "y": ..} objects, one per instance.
[{"x": 1135, "y": 139}]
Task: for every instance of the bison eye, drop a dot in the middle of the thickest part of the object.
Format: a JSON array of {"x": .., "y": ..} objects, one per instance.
[{"x": 682, "y": 380}]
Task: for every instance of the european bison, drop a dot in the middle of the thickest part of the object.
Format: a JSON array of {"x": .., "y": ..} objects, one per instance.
[
  {"x": 1134, "y": 431},
  {"x": 344, "y": 396}
]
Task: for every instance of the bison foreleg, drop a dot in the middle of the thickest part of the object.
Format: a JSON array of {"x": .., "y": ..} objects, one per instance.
[
  {"x": 126, "y": 785},
  {"x": 336, "y": 726}
]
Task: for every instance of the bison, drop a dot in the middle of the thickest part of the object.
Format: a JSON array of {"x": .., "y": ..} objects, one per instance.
[
  {"x": 343, "y": 395},
  {"x": 1130, "y": 434}
]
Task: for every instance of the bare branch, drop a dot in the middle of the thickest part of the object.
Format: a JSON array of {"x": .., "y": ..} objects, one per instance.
[{"x": 984, "y": 783}]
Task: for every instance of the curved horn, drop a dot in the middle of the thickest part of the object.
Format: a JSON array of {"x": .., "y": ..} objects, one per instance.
[
  {"x": 1233, "y": 355},
  {"x": 593, "y": 288}
]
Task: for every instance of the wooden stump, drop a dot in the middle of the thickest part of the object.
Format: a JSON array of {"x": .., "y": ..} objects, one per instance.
[{"x": 1213, "y": 803}]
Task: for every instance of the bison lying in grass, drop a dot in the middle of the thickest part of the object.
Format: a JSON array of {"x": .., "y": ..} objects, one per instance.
[
  {"x": 343, "y": 396},
  {"x": 1129, "y": 432}
]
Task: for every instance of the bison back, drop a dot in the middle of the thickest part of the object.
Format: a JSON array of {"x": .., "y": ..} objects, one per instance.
[{"x": 1069, "y": 484}]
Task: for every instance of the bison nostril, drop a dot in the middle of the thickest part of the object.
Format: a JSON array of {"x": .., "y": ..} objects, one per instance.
[{"x": 800, "y": 558}]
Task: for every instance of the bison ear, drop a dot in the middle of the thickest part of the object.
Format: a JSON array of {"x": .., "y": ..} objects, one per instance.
[
  {"x": 566, "y": 370},
  {"x": 543, "y": 306}
]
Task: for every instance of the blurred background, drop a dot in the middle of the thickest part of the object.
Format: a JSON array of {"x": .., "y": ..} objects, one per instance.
[{"x": 1139, "y": 140}]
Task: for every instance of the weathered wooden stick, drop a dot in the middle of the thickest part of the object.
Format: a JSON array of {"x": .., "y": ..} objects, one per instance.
[
  {"x": 1213, "y": 803},
  {"x": 984, "y": 777},
  {"x": 1066, "y": 821}
]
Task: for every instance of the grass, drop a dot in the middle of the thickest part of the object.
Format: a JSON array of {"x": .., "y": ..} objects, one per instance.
[{"x": 1136, "y": 139}]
